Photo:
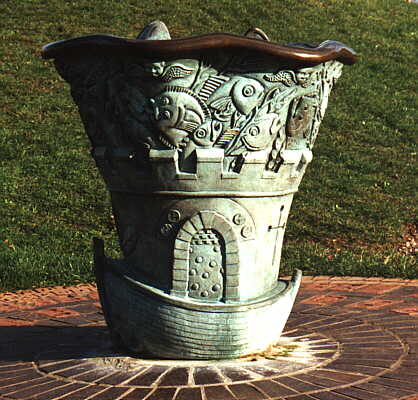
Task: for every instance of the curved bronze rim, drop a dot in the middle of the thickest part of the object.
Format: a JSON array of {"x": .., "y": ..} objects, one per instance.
[{"x": 194, "y": 46}]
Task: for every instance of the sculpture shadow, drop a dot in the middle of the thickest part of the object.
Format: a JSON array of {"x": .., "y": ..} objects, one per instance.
[{"x": 31, "y": 343}]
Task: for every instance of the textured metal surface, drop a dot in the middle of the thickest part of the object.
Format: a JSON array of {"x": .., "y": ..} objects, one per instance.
[
  {"x": 149, "y": 323},
  {"x": 206, "y": 266},
  {"x": 202, "y": 147}
]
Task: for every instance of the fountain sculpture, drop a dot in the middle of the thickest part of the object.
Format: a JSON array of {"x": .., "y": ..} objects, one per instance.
[{"x": 202, "y": 143}]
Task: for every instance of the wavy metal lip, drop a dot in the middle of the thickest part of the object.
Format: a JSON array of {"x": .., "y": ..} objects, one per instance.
[{"x": 196, "y": 45}]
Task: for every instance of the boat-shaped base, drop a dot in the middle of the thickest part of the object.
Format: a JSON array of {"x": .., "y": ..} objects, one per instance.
[{"x": 149, "y": 321}]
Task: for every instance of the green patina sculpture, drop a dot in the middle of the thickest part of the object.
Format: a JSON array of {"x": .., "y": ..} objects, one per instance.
[{"x": 202, "y": 143}]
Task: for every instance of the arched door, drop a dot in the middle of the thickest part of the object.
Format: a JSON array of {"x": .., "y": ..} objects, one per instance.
[{"x": 206, "y": 266}]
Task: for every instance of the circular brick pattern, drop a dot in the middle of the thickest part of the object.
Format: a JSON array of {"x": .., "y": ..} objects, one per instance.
[
  {"x": 346, "y": 339},
  {"x": 103, "y": 366}
]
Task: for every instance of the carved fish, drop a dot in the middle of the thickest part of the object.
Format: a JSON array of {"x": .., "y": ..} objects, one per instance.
[
  {"x": 222, "y": 104},
  {"x": 223, "y": 108},
  {"x": 301, "y": 113},
  {"x": 261, "y": 132},
  {"x": 178, "y": 112},
  {"x": 206, "y": 134},
  {"x": 226, "y": 137},
  {"x": 211, "y": 85},
  {"x": 247, "y": 94}
]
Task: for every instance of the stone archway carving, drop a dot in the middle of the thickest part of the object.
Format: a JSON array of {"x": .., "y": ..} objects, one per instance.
[{"x": 206, "y": 223}]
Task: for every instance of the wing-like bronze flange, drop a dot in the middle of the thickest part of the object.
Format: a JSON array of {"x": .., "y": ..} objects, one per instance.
[{"x": 197, "y": 45}]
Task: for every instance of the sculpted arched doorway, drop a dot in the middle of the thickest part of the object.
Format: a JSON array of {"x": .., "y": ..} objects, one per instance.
[{"x": 205, "y": 262}]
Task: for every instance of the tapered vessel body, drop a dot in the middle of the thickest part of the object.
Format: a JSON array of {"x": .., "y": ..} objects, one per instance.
[{"x": 202, "y": 143}]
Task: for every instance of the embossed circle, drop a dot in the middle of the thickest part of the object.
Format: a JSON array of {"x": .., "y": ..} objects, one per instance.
[
  {"x": 238, "y": 219},
  {"x": 246, "y": 231},
  {"x": 173, "y": 216}
]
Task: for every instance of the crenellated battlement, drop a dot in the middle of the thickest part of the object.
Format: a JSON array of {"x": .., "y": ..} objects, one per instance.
[{"x": 163, "y": 173}]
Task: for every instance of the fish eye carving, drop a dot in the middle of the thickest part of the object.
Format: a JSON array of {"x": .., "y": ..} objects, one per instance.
[
  {"x": 254, "y": 131},
  {"x": 248, "y": 90},
  {"x": 200, "y": 133},
  {"x": 165, "y": 115},
  {"x": 164, "y": 101}
]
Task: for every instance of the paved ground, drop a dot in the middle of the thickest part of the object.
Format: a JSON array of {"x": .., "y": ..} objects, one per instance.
[{"x": 347, "y": 338}]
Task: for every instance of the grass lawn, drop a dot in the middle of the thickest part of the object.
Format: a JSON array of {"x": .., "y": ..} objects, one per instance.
[{"x": 356, "y": 209}]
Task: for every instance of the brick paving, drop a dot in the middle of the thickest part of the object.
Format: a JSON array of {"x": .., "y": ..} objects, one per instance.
[{"x": 346, "y": 339}]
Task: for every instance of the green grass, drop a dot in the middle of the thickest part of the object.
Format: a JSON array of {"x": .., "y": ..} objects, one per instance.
[{"x": 357, "y": 197}]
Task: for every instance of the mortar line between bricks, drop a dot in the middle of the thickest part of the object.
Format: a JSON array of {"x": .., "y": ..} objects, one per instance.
[
  {"x": 302, "y": 325},
  {"x": 73, "y": 379},
  {"x": 359, "y": 374},
  {"x": 398, "y": 317},
  {"x": 121, "y": 397},
  {"x": 368, "y": 359},
  {"x": 55, "y": 388},
  {"x": 202, "y": 393},
  {"x": 13, "y": 384},
  {"x": 259, "y": 390},
  {"x": 58, "y": 362},
  {"x": 20, "y": 371},
  {"x": 348, "y": 314},
  {"x": 68, "y": 393},
  {"x": 25, "y": 388},
  {"x": 176, "y": 393},
  {"x": 331, "y": 325},
  {"x": 324, "y": 317},
  {"x": 12, "y": 364},
  {"x": 361, "y": 323},
  {"x": 319, "y": 342},
  {"x": 228, "y": 389},
  {"x": 94, "y": 394},
  {"x": 298, "y": 393},
  {"x": 360, "y": 332},
  {"x": 102, "y": 378},
  {"x": 291, "y": 331},
  {"x": 126, "y": 381},
  {"x": 258, "y": 377},
  {"x": 310, "y": 334},
  {"x": 156, "y": 382},
  {"x": 365, "y": 323},
  {"x": 367, "y": 342},
  {"x": 325, "y": 389},
  {"x": 37, "y": 308},
  {"x": 150, "y": 393},
  {"x": 130, "y": 390},
  {"x": 219, "y": 372},
  {"x": 190, "y": 378},
  {"x": 369, "y": 378}
]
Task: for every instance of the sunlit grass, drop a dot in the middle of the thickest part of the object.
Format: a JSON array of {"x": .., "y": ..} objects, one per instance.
[{"x": 356, "y": 198}]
